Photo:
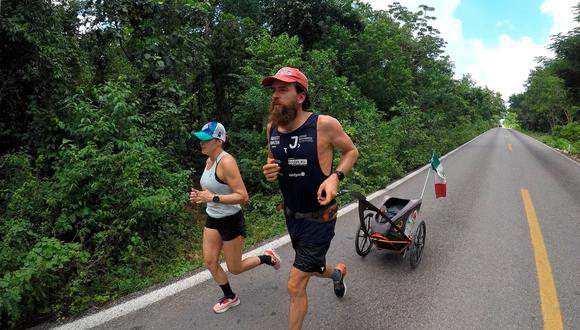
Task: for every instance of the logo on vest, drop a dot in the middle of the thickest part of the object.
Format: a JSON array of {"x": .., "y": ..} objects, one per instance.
[
  {"x": 297, "y": 162},
  {"x": 295, "y": 144},
  {"x": 275, "y": 140},
  {"x": 293, "y": 175}
]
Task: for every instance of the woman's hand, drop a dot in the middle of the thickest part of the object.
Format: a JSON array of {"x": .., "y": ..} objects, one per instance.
[{"x": 200, "y": 196}]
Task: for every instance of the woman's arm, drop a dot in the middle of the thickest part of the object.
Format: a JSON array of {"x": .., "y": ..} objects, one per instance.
[{"x": 230, "y": 174}]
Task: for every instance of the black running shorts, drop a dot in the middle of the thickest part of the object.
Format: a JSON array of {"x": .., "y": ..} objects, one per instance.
[
  {"x": 310, "y": 241},
  {"x": 229, "y": 227},
  {"x": 310, "y": 257}
]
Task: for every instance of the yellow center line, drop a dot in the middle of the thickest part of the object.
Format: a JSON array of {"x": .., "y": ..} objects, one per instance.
[
  {"x": 510, "y": 146},
  {"x": 548, "y": 294}
]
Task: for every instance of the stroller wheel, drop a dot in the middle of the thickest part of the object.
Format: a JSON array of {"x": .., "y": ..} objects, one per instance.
[
  {"x": 416, "y": 248},
  {"x": 363, "y": 243}
]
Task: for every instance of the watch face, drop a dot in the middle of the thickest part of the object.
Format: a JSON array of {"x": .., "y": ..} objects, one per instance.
[{"x": 216, "y": 198}]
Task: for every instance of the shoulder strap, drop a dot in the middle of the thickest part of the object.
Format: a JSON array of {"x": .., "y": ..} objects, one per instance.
[
  {"x": 217, "y": 162},
  {"x": 219, "y": 157}
]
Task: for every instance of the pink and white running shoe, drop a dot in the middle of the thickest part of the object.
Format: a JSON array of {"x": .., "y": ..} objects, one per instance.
[{"x": 276, "y": 260}]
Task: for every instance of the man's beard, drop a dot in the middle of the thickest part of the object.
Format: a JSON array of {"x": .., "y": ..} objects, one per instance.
[{"x": 281, "y": 114}]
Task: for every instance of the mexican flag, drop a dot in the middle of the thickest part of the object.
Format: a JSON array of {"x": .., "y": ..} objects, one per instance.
[{"x": 440, "y": 182}]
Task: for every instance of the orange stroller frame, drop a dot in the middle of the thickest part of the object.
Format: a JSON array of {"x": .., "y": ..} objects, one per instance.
[
  {"x": 393, "y": 226},
  {"x": 393, "y": 238}
]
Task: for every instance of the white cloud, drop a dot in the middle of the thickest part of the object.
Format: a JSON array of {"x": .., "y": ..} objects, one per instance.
[
  {"x": 562, "y": 14},
  {"x": 503, "y": 68}
]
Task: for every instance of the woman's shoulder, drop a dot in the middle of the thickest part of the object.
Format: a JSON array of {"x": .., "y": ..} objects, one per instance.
[{"x": 227, "y": 160}]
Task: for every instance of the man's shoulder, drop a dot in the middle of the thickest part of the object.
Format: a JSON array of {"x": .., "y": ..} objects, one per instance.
[{"x": 328, "y": 122}]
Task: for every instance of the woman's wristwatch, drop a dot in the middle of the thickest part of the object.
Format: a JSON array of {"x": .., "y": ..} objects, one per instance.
[{"x": 216, "y": 198}]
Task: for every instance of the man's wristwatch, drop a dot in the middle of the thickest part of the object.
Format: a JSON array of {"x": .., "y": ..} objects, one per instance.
[
  {"x": 216, "y": 198},
  {"x": 339, "y": 174}
]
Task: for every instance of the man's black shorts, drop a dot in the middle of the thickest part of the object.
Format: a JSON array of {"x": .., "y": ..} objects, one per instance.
[
  {"x": 310, "y": 241},
  {"x": 310, "y": 257},
  {"x": 229, "y": 227}
]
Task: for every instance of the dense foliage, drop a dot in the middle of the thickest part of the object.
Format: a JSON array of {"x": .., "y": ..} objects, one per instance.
[
  {"x": 98, "y": 99},
  {"x": 551, "y": 101}
]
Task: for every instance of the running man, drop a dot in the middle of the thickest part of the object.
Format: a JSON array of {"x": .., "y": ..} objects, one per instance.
[{"x": 300, "y": 157}]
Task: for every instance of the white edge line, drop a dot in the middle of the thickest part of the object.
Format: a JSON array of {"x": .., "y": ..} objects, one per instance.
[
  {"x": 194, "y": 280},
  {"x": 159, "y": 294},
  {"x": 553, "y": 149}
]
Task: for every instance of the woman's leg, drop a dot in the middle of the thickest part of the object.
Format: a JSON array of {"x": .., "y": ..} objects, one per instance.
[
  {"x": 212, "y": 245},
  {"x": 233, "y": 256}
]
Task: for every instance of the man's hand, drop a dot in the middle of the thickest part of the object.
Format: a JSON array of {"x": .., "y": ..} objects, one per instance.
[
  {"x": 271, "y": 170},
  {"x": 327, "y": 190}
]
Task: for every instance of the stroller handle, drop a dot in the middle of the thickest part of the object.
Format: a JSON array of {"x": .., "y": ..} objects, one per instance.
[{"x": 354, "y": 194}]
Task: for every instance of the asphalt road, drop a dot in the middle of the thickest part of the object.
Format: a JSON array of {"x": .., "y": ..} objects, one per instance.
[{"x": 478, "y": 269}]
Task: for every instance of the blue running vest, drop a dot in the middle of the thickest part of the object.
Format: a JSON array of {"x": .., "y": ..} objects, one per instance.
[{"x": 300, "y": 174}]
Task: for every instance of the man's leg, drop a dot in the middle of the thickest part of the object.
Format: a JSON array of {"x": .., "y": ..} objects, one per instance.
[
  {"x": 337, "y": 275},
  {"x": 328, "y": 271},
  {"x": 297, "y": 282}
]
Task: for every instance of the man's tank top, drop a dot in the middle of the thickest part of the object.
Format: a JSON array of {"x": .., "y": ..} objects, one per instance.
[
  {"x": 300, "y": 174},
  {"x": 211, "y": 182}
]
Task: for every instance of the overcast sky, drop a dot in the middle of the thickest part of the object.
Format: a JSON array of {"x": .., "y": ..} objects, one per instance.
[{"x": 496, "y": 41}]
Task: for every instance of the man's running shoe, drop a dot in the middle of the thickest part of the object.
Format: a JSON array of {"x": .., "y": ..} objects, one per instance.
[
  {"x": 225, "y": 303},
  {"x": 340, "y": 286},
  {"x": 276, "y": 260}
]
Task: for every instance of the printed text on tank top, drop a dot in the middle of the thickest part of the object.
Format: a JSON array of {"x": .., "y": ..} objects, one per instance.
[
  {"x": 324, "y": 156},
  {"x": 300, "y": 175}
]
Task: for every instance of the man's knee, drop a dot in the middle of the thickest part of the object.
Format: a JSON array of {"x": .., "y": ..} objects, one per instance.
[
  {"x": 297, "y": 287},
  {"x": 295, "y": 290}
]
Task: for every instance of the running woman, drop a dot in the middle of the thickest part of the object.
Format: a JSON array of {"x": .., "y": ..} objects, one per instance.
[{"x": 223, "y": 190}]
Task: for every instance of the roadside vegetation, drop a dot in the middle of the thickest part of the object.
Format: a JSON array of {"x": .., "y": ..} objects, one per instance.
[
  {"x": 549, "y": 107},
  {"x": 99, "y": 98}
]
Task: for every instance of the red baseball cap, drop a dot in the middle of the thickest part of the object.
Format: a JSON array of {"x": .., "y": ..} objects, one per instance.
[{"x": 288, "y": 75}]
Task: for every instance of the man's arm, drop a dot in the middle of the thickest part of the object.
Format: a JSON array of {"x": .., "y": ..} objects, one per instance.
[
  {"x": 344, "y": 144},
  {"x": 332, "y": 130}
]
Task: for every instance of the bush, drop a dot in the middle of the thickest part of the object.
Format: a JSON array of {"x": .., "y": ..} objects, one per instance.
[
  {"x": 49, "y": 265},
  {"x": 110, "y": 207},
  {"x": 570, "y": 132}
]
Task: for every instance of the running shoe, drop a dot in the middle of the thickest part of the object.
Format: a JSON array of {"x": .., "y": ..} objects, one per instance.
[
  {"x": 340, "y": 286},
  {"x": 276, "y": 260},
  {"x": 226, "y": 303}
]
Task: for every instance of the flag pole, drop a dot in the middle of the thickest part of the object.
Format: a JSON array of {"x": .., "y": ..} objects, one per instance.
[{"x": 425, "y": 185}]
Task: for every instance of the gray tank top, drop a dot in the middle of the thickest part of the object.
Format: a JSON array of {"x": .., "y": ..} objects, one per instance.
[{"x": 210, "y": 181}]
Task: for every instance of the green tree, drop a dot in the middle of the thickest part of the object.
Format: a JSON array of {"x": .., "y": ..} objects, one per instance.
[
  {"x": 377, "y": 63},
  {"x": 310, "y": 19},
  {"x": 567, "y": 63},
  {"x": 40, "y": 63},
  {"x": 547, "y": 97}
]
